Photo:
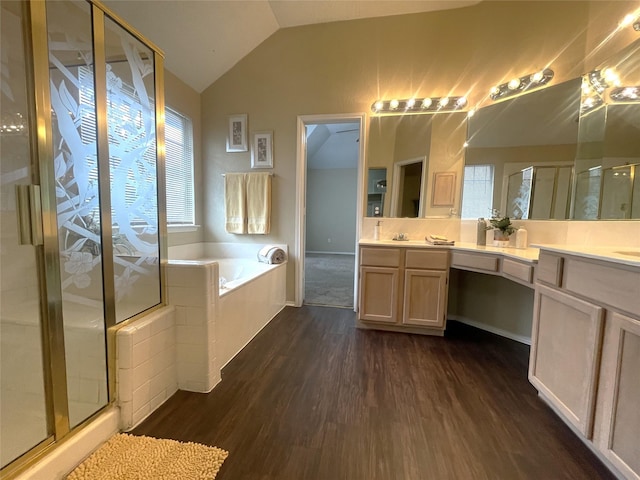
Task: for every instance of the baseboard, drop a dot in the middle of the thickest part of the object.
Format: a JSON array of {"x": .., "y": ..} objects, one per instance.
[
  {"x": 331, "y": 253},
  {"x": 492, "y": 329}
]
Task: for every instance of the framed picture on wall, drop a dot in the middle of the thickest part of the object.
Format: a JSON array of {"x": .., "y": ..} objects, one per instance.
[
  {"x": 237, "y": 135},
  {"x": 262, "y": 150}
]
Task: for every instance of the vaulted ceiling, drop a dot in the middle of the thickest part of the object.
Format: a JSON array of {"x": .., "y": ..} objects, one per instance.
[{"x": 203, "y": 39}]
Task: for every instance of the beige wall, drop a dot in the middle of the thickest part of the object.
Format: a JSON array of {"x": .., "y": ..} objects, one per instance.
[
  {"x": 343, "y": 67},
  {"x": 185, "y": 100}
]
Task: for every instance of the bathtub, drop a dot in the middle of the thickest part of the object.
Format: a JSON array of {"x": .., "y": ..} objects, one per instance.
[{"x": 223, "y": 298}]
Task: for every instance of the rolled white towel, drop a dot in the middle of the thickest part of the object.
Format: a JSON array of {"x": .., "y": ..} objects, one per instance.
[{"x": 271, "y": 254}]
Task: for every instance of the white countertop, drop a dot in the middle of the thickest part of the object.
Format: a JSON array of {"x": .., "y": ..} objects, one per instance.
[
  {"x": 522, "y": 254},
  {"x": 622, "y": 255}
]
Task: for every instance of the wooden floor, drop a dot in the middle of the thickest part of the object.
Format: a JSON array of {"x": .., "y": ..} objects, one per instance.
[{"x": 313, "y": 398}]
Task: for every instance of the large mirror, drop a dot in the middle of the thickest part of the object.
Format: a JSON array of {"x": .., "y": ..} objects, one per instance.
[
  {"x": 520, "y": 155},
  {"x": 607, "y": 167},
  {"x": 415, "y": 164}
]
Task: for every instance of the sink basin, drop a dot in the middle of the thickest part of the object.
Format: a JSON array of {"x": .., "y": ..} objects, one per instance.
[{"x": 628, "y": 252}]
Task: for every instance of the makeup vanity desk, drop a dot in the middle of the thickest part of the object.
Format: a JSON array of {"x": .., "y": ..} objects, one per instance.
[
  {"x": 404, "y": 284},
  {"x": 585, "y": 349}
]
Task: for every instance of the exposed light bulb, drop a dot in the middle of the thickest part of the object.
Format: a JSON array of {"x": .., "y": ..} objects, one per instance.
[
  {"x": 627, "y": 20},
  {"x": 536, "y": 77},
  {"x": 394, "y": 103},
  {"x": 471, "y": 113},
  {"x": 444, "y": 101},
  {"x": 411, "y": 102},
  {"x": 426, "y": 103},
  {"x": 379, "y": 104},
  {"x": 465, "y": 144},
  {"x": 611, "y": 76},
  {"x": 513, "y": 83},
  {"x": 494, "y": 90},
  {"x": 461, "y": 102}
]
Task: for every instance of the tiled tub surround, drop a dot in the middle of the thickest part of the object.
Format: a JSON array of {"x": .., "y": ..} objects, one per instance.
[
  {"x": 212, "y": 324},
  {"x": 146, "y": 365}
]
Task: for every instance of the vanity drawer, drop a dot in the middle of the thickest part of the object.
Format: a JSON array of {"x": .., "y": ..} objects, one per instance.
[
  {"x": 550, "y": 269},
  {"x": 380, "y": 257},
  {"x": 475, "y": 261},
  {"x": 517, "y": 270},
  {"x": 618, "y": 286},
  {"x": 438, "y": 260}
]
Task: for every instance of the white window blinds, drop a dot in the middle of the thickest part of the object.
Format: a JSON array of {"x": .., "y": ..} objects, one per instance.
[
  {"x": 477, "y": 198},
  {"x": 179, "y": 169}
]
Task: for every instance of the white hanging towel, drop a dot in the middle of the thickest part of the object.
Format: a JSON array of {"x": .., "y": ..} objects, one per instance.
[
  {"x": 235, "y": 202},
  {"x": 258, "y": 203},
  {"x": 271, "y": 254}
]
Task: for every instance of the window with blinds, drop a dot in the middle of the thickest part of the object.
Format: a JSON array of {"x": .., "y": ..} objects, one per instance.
[
  {"x": 477, "y": 198},
  {"x": 179, "y": 168},
  {"x": 179, "y": 156}
]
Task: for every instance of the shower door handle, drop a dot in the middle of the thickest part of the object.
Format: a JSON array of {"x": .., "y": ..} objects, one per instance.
[{"x": 29, "y": 210}]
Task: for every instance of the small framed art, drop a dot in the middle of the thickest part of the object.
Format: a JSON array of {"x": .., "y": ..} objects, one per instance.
[
  {"x": 237, "y": 135},
  {"x": 262, "y": 150}
]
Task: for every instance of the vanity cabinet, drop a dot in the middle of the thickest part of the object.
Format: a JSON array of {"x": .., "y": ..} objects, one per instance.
[
  {"x": 585, "y": 352},
  {"x": 618, "y": 432},
  {"x": 379, "y": 284},
  {"x": 565, "y": 348},
  {"x": 403, "y": 289},
  {"x": 425, "y": 288}
]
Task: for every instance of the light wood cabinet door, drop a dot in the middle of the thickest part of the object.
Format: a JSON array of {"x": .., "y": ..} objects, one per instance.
[
  {"x": 425, "y": 298},
  {"x": 618, "y": 437},
  {"x": 565, "y": 354},
  {"x": 379, "y": 294}
]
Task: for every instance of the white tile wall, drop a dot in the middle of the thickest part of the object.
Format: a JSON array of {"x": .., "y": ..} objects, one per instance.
[
  {"x": 193, "y": 290},
  {"x": 146, "y": 365}
]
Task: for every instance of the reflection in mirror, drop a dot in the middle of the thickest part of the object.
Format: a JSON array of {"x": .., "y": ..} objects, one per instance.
[
  {"x": 404, "y": 152},
  {"x": 520, "y": 155},
  {"x": 608, "y": 155},
  {"x": 376, "y": 189},
  {"x": 408, "y": 199}
]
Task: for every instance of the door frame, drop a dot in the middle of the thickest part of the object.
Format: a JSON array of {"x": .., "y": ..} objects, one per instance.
[
  {"x": 301, "y": 192},
  {"x": 397, "y": 169}
]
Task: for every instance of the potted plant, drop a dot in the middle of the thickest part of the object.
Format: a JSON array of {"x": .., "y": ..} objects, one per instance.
[{"x": 502, "y": 229}]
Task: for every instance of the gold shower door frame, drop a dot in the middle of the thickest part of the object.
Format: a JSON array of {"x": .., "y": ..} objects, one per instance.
[{"x": 38, "y": 78}]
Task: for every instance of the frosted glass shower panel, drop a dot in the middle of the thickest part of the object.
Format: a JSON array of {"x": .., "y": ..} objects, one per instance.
[
  {"x": 23, "y": 414},
  {"x": 132, "y": 158},
  {"x": 78, "y": 205}
]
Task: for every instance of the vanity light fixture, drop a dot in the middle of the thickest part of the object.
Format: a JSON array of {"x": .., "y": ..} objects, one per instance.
[
  {"x": 420, "y": 105},
  {"x": 522, "y": 84},
  {"x": 625, "y": 94},
  {"x": 12, "y": 124}
]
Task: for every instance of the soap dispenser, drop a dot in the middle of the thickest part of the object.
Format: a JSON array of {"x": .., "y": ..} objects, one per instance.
[{"x": 377, "y": 229}]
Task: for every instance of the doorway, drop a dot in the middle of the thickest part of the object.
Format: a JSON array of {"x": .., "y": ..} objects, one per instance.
[{"x": 329, "y": 208}]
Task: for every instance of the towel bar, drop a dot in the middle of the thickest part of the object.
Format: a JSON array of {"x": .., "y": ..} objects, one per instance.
[{"x": 272, "y": 174}]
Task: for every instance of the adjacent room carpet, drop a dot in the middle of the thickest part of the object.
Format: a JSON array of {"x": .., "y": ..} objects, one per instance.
[
  {"x": 329, "y": 279},
  {"x": 130, "y": 457}
]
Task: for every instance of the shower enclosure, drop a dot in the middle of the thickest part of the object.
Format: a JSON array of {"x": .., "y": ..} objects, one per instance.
[{"x": 82, "y": 230}]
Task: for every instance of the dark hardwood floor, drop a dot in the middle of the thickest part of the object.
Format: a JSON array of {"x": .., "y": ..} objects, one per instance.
[{"x": 314, "y": 398}]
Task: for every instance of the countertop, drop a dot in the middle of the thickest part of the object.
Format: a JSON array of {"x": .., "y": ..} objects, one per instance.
[
  {"x": 622, "y": 255},
  {"x": 529, "y": 255}
]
